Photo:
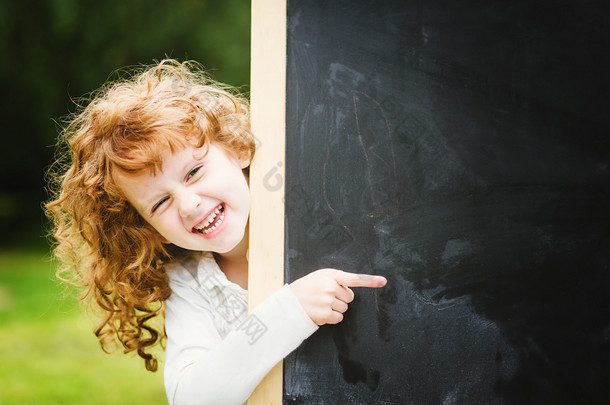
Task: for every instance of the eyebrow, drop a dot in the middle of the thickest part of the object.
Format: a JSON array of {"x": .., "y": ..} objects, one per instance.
[{"x": 188, "y": 165}]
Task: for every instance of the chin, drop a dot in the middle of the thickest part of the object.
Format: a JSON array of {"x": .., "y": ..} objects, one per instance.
[{"x": 231, "y": 245}]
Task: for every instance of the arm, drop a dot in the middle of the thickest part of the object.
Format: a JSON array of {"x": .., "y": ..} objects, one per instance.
[{"x": 204, "y": 367}]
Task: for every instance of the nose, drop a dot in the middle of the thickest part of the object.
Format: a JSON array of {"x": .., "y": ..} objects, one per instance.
[{"x": 187, "y": 203}]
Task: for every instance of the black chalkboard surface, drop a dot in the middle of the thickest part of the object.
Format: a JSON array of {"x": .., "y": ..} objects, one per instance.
[{"x": 462, "y": 150}]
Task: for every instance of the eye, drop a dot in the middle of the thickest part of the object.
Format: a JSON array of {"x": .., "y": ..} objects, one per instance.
[
  {"x": 192, "y": 173},
  {"x": 158, "y": 204}
]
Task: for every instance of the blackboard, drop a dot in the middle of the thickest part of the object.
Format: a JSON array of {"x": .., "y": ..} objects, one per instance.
[{"x": 462, "y": 150}]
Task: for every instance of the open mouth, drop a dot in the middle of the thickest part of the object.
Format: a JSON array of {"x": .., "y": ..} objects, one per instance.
[{"x": 212, "y": 221}]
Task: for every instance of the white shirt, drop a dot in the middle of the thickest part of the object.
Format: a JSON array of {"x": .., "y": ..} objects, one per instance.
[{"x": 216, "y": 353}]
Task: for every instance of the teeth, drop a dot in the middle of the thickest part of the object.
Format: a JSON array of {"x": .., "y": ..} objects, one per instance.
[{"x": 210, "y": 219}]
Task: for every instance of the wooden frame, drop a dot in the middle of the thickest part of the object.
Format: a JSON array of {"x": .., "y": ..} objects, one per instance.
[{"x": 268, "y": 116}]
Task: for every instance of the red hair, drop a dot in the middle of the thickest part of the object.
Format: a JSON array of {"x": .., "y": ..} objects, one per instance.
[{"x": 102, "y": 242}]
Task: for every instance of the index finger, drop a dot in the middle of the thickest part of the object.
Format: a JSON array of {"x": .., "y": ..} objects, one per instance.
[{"x": 361, "y": 280}]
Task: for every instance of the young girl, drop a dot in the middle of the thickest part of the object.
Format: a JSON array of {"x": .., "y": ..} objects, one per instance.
[{"x": 151, "y": 217}]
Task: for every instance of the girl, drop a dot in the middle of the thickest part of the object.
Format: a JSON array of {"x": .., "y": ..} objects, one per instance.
[{"x": 151, "y": 217}]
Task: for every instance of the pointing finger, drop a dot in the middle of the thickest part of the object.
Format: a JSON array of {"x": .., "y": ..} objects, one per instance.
[{"x": 360, "y": 280}]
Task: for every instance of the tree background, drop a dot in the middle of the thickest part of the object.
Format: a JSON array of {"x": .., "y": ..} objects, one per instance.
[{"x": 55, "y": 51}]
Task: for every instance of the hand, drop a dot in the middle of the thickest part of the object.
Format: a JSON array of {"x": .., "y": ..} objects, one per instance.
[{"x": 324, "y": 294}]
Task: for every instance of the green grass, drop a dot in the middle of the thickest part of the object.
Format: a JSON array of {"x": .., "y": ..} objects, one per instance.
[{"x": 48, "y": 353}]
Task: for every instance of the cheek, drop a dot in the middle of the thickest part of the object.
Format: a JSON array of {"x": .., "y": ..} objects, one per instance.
[
  {"x": 162, "y": 226},
  {"x": 157, "y": 231},
  {"x": 245, "y": 193},
  {"x": 163, "y": 239}
]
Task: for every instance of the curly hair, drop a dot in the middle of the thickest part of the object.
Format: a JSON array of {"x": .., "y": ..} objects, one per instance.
[{"x": 103, "y": 244}]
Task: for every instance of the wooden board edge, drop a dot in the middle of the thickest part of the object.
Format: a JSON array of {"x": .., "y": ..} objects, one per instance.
[{"x": 268, "y": 117}]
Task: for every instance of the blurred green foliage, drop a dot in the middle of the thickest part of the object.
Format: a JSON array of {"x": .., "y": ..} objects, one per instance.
[
  {"x": 57, "y": 50},
  {"x": 49, "y": 352},
  {"x": 53, "y": 52}
]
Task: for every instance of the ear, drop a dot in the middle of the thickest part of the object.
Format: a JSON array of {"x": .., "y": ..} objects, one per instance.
[{"x": 244, "y": 159}]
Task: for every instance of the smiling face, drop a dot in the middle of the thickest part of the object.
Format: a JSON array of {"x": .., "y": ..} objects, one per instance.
[{"x": 198, "y": 201}]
